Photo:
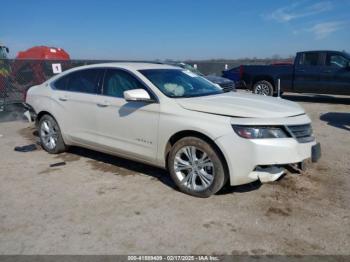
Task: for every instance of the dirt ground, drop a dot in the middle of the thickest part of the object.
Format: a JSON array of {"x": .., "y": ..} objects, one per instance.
[{"x": 100, "y": 204}]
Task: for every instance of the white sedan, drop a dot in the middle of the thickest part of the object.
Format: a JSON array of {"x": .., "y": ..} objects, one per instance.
[{"x": 172, "y": 118}]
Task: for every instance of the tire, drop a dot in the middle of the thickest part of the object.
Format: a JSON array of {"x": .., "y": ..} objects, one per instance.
[
  {"x": 50, "y": 135},
  {"x": 263, "y": 87},
  {"x": 206, "y": 168}
]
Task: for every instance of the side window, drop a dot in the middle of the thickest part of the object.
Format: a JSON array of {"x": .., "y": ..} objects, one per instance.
[
  {"x": 309, "y": 59},
  {"x": 117, "y": 81},
  {"x": 336, "y": 60},
  {"x": 84, "y": 81}
]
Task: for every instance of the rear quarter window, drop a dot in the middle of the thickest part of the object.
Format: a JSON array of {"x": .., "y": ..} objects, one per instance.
[
  {"x": 61, "y": 83},
  {"x": 310, "y": 59}
]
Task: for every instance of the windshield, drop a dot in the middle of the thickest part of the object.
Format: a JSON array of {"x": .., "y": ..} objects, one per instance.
[{"x": 180, "y": 83}]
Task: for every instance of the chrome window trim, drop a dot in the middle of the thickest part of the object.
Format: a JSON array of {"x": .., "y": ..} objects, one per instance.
[{"x": 101, "y": 80}]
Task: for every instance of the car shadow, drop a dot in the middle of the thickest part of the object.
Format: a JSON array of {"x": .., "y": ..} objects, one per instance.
[
  {"x": 131, "y": 107},
  {"x": 337, "y": 119},
  {"x": 134, "y": 167},
  {"x": 227, "y": 189},
  {"x": 327, "y": 99}
]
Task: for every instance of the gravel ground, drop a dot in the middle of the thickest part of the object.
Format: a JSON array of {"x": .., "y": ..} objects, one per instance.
[{"x": 99, "y": 204}]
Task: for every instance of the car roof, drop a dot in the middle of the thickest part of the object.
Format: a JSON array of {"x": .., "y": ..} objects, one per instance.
[
  {"x": 131, "y": 66},
  {"x": 128, "y": 65},
  {"x": 320, "y": 51}
]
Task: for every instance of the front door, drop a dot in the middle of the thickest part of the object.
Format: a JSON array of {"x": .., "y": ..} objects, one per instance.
[{"x": 127, "y": 128}]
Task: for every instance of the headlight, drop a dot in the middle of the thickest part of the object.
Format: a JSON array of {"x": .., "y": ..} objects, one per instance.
[{"x": 256, "y": 132}]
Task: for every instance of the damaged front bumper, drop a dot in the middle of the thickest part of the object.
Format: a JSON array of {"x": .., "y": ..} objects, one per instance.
[
  {"x": 267, "y": 174},
  {"x": 264, "y": 159},
  {"x": 273, "y": 172}
]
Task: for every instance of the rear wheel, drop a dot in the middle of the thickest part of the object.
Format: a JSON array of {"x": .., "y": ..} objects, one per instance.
[
  {"x": 196, "y": 167},
  {"x": 50, "y": 135},
  {"x": 263, "y": 88}
]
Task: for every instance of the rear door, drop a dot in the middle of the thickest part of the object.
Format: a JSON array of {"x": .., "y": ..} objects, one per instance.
[
  {"x": 77, "y": 95},
  {"x": 307, "y": 73},
  {"x": 335, "y": 76}
]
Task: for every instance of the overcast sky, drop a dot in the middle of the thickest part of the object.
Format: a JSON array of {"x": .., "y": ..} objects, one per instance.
[{"x": 176, "y": 29}]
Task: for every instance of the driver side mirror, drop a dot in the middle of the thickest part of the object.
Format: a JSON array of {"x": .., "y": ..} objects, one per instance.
[{"x": 137, "y": 95}]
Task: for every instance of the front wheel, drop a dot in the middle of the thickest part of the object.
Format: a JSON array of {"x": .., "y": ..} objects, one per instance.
[
  {"x": 263, "y": 87},
  {"x": 196, "y": 167}
]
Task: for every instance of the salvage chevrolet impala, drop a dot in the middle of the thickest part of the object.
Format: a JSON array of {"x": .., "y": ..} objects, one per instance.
[{"x": 172, "y": 118}]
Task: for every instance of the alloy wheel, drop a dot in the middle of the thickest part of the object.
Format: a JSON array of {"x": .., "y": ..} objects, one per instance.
[
  {"x": 262, "y": 89},
  {"x": 49, "y": 134},
  {"x": 194, "y": 168}
]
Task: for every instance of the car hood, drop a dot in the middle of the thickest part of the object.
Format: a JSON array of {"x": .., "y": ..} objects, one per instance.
[
  {"x": 218, "y": 79},
  {"x": 242, "y": 105}
]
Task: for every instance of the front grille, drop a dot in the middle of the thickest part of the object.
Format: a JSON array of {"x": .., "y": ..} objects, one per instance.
[
  {"x": 302, "y": 133},
  {"x": 227, "y": 86}
]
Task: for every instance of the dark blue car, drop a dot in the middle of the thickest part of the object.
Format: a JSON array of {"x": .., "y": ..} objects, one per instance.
[{"x": 233, "y": 74}]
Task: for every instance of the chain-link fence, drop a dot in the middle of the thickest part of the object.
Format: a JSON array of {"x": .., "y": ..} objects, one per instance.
[{"x": 16, "y": 76}]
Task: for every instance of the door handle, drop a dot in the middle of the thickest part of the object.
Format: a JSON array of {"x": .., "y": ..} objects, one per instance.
[
  {"x": 301, "y": 70},
  {"x": 102, "y": 104},
  {"x": 63, "y": 99},
  {"x": 327, "y": 71}
]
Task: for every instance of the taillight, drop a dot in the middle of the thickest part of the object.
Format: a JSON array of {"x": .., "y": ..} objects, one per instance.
[{"x": 241, "y": 71}]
